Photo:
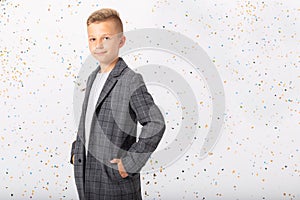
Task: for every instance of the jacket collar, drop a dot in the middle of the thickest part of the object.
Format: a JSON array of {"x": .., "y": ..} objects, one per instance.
[
  {"x": 112, "y": 79},
  {"x": 116, "y": 71}
]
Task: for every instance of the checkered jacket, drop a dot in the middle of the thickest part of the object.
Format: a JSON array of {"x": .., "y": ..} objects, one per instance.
[{"x": 124, "y": 101}]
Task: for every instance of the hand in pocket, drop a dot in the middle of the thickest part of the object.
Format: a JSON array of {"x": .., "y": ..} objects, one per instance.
[{"x": 121, "y": 168}]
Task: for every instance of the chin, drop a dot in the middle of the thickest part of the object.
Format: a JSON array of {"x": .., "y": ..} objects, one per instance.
[{"x": 99, "y": 59}]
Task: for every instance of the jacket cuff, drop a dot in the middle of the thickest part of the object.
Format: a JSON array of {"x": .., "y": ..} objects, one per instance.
[{"x": 134, "y": 162}]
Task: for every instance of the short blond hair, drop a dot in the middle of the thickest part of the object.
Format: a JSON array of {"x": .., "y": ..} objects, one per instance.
[{"x": 105, "y": 14}]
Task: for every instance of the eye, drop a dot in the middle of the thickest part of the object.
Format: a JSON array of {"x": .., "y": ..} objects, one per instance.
[
  {"x": 106, "y": 38},
  {"x": 92, "y": 39}
]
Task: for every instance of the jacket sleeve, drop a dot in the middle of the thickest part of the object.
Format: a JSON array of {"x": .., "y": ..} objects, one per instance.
[{"x": 153, "y": 126}]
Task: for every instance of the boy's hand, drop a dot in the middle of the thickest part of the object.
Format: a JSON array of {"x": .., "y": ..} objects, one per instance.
[
  {"x": 73, "y": 159},
  {"x": 121, "y": 168}
]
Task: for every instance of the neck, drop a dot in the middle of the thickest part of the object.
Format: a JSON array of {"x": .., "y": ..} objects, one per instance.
[{"x": 108, "y": 67}]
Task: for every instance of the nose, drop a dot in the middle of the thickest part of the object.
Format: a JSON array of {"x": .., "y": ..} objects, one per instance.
[{"x": 99, "y": 44}]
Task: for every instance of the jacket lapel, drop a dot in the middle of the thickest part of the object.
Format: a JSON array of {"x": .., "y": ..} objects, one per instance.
[
  {"x": 111, "y": 80},
  {"x": 89, "y": 85}
]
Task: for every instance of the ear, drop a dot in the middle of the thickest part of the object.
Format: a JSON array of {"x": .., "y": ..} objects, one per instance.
[{"x": 122, "y": 41}]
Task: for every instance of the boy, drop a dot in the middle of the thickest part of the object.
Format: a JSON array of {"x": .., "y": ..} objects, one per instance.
[{"x": 107, "y": 157}]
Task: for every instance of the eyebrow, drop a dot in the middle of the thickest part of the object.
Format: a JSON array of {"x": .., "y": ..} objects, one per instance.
[{"x": 102, "y": 35}]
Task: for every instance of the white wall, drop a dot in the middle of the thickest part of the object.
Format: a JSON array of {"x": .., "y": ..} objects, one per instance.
[{"x": 254, "y": 46}]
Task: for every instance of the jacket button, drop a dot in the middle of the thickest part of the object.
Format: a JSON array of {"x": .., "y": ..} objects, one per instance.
[{"x": 79, "y": 160}]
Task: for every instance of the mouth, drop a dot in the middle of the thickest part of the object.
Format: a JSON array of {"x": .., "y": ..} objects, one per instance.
[{"x": 100, "y": 53}]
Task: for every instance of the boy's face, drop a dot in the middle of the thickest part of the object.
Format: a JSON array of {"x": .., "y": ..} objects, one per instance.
[{"x": 105, "y": 41}]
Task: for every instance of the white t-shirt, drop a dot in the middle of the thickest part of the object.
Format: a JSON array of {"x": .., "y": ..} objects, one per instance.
[{"x": 92, "y": 101}]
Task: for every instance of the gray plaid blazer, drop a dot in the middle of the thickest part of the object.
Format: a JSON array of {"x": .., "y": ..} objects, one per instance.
[{"x": 124, "y": 101}]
